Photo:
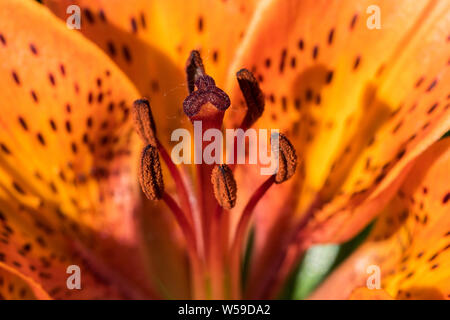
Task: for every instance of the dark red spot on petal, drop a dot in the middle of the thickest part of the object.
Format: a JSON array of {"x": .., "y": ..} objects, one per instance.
[
  {"x": 111, "y": 48},
  {"x": 89, "y": 16},
  {"x": 23, "y": 123},
  {"x": 133, "y": 25},
  {"x": 315, "y": 52},
  {"x": 33, "y": 49},
  {"x": 330, "y": 36},
  {"x": 126, "y": 54},
  {"x": 16, "y": 77},
  {"x": 2, "y": 39},
  {"x": 446, "y": 198}
]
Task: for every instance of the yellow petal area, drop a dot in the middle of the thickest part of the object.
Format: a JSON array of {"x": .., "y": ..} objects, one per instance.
[
  {"x": 65, "y": 157},
  {"x": 410, "y": 242},
  {"x": 421, "y": 116},
  {"x": 348, "y": 97},
  {"x": 151, "y": 41}
]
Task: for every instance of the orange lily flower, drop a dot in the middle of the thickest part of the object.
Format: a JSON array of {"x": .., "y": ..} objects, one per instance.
[{"x": 362, "y": 123}]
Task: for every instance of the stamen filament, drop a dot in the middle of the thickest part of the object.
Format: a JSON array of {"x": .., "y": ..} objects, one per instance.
[
  {"x": 240, "y": 234},
  {"x": 217, "y": 257},
  {"x": 182, "y": 222},
  {"x": 197, "y": 269},
  {"x": 182, "y": 190}
]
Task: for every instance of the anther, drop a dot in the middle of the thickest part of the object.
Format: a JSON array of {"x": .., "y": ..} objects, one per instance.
[
  {"x": 144, "y": 122},
  {"x": 224, "y": 186},
  {"x": 254, "y": 97},
  {"x": 150, "y": 174},
  {"x": 194, "y": 69},
  {"x": 287, "y": 162}
]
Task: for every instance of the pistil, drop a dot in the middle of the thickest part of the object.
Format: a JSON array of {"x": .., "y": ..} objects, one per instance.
[{"x": 206, "y": 104}]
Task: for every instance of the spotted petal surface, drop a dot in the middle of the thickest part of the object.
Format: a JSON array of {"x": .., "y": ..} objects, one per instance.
[
  {"x": 358, "y": 103},
  {"x": 410, "y": 242},
  {"x": 64, "y": 159},
  {"x": 151, "y": 40}
]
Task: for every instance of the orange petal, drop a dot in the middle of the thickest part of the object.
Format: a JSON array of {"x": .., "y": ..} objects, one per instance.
[
  {"x": 344, "y": 93},
  {"x": 13, "y": 287},
  {"x": 410, "y": 241},
  {"x": 322, "y": 79},
  {"x": 65, "y": 160},
  {"x": 370, "y": 294},
  {"x": 332, "y": 87},
  {"x": 151, "y": 40},
  {"x": 40, "y": 255}
]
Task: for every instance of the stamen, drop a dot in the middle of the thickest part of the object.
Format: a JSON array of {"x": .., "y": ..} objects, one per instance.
[
  {"x": 145, "y": 126},
  {"x": 253, "y": 95},
  {"x": 150, "y": 174},
  {"x": 144, "y": 122},
  {"x": 194, "y": 69},
  {"x": 287, "y": 160},
  {"x": 224, "y": 186},
  {"x": 286, "y": 169}
]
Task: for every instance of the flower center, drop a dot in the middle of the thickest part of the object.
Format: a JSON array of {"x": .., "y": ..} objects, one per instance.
[{"x": 214, "y": 253}]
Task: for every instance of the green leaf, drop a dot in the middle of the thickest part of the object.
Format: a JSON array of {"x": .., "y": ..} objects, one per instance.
[
  {"x": 318, "y": 262},
  {"x": 315, "y": 266}
]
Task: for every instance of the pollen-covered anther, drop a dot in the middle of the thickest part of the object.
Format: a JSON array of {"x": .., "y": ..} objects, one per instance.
[
  {"x": 253, "y": 95},
  {"x": 287, "y": 162},
  {"x": 150, "y": 174},
  {"x": 206, "y": 94},
  {"x": 224, "y": 186},
  {"x": 144, "y": 122},
  {"x": 194, "y": 69}
]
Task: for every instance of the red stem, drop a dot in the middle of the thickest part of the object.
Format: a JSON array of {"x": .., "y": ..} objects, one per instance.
[
  {"x": 182, "y": 189},
  {"x": 182, "y": 222},
  {"x": 241, "y": 230}
]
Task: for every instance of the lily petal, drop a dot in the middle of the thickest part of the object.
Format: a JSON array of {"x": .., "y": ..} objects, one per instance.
[
  {"x": 410, "y": 241},
  {"x": 349, "y": 94},
  {"x": 39, "y": 256},
  {"x": 330, "y": 70},
  {"x": 13, "y": 287},
  {"x": 65, "y": 161},
  {"x": 151, "y": 40}
]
